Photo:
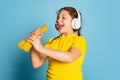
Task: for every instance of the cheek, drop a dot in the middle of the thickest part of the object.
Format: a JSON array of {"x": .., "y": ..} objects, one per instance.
[{"x": 68, "y": 23}]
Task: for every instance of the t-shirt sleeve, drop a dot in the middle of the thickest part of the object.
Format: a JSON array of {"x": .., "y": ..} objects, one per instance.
[{"x": 80, "y": 43}]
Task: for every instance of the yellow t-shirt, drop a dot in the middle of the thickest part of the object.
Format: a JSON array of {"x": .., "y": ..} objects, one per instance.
[{"x": 61, "y": 70}]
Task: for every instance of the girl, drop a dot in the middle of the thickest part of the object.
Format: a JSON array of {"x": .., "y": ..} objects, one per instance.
[{"x": 65, "y": 52}]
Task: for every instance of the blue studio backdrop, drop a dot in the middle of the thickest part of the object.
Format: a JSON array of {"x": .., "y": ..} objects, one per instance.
[{"x": 100, "y": 27}]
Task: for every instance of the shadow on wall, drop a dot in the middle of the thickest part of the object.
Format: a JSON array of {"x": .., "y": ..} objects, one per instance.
[{"x": 23, "y": 69}]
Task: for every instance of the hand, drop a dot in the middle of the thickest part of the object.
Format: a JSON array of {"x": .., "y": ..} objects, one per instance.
[
  {"x": 37, "y": 32},
  {"x": 35, "y": 41}
]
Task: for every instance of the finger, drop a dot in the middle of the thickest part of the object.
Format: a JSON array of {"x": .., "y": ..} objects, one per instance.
[
  {"x": 32, "y": 33},
  {"x": 36, "y": 32},
  {"x": 32, "y": 38},
  {"x": 30, "y": 41}
]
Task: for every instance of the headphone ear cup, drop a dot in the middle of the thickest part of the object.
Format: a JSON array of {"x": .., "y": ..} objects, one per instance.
[{"x": 75, "y": 23}]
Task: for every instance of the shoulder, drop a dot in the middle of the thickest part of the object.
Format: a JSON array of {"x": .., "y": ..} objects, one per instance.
[
  {"x": 51, "y": 39},
  {"x": 80, "y": 39},
  {"x": 80, "y": 43}
]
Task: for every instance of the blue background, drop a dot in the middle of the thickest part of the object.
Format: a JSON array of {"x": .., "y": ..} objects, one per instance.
[{"x": 100, "y": 27}]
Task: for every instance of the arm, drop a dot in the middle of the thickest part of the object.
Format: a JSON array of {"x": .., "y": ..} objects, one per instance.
[
  {"x": 63, "y": 56},
  {"x": 37, "y": 59}
]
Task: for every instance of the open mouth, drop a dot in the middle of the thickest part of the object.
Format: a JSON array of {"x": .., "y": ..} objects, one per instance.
[{"x": 60, "y": 26}]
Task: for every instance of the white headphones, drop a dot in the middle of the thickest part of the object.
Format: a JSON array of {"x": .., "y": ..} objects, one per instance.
[{"x": 76, "y": 22}]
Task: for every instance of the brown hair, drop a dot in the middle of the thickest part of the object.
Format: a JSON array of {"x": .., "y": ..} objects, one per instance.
[{"x": 73, "y": 13}]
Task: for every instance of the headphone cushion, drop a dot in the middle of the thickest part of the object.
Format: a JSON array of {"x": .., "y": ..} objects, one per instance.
[{"x": 75, "y": 23}]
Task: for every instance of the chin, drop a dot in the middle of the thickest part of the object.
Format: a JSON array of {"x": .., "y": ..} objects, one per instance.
[{"x": 60, "y": 31}]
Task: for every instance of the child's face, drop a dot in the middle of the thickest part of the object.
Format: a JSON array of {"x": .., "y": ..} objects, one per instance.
[{"x": 63, "y": 22}]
